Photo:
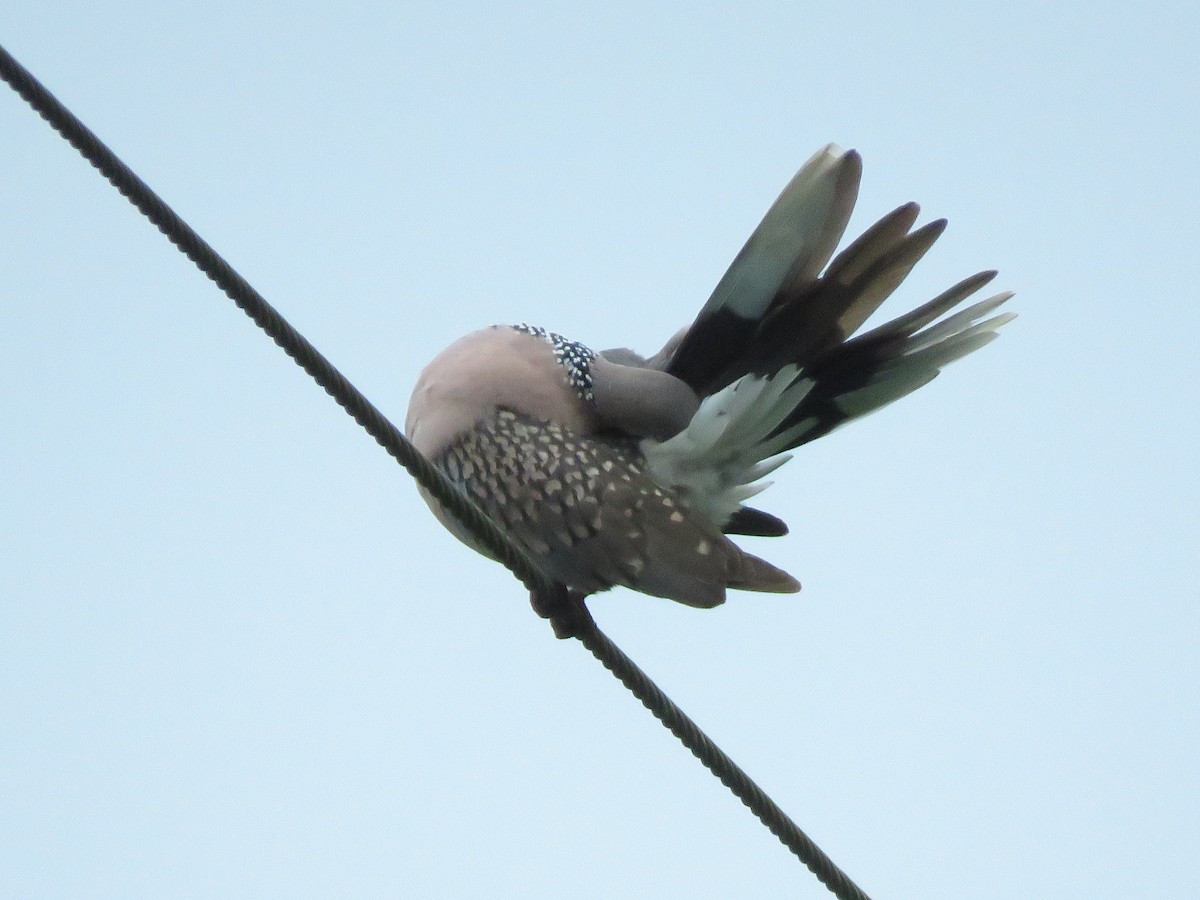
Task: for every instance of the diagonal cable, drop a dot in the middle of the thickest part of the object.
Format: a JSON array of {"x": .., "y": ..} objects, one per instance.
[{"x": 566, "y": 611}]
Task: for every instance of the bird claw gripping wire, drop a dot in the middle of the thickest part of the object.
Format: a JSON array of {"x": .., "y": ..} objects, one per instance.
[{"x": 566, "y": 610}]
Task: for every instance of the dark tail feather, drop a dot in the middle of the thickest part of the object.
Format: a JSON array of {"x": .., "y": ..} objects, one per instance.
[{"x": 755, "y": 523}]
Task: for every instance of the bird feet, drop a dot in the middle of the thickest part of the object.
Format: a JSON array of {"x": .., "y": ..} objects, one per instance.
[{"x": 568, "y": 614}]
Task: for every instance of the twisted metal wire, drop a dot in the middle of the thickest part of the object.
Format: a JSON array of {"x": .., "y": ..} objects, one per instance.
[
  {"x": 716, "y": 761},
  {"x": 566, "y": 610}
]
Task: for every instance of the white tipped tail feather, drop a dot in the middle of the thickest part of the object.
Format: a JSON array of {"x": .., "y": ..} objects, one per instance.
[
  {"x": 772, "y": 354},
  {"x": 741, "y": 433},
  {"x": 796, "y": 237}
]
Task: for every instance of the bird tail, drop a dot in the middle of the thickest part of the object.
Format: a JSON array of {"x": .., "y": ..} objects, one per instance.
[{"x": 773, "y": 355}]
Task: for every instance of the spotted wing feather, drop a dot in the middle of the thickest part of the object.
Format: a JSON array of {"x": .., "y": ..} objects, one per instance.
[{"x": 589, "y": 516}]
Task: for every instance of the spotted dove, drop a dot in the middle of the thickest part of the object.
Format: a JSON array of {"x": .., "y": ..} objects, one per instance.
[{"x": 613, "y": 469}]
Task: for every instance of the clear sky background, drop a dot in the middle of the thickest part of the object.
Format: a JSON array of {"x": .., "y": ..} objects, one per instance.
[{"x": 238, "y": 657}]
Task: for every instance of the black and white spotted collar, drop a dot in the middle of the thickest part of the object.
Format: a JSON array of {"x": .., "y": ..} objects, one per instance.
[{"x": 573, "y": 356}]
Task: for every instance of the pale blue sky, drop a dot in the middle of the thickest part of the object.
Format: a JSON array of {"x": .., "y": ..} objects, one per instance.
[{"x": 238, "y": 658}]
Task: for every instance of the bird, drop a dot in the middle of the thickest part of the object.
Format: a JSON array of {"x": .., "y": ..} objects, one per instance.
[{"x": 613, "y": 469}]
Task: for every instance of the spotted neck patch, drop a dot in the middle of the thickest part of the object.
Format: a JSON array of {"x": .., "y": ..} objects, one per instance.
[{"x": 573, "y": 356}]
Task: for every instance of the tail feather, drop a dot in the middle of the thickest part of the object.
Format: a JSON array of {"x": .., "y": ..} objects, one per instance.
[
  {"x": 956, "y": 324},
  {"x": 911, "y": 322},
  {"x": 791, "y": 245},
  {"x": 752, "y": 573},
  {"x": 873, "y": 243},
  {"x": 881, "y": 280},
  {"x": 756, "y": 523},
  {"x": 774, "y": 356}
]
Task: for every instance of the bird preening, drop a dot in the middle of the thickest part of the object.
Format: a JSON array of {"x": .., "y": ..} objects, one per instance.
[{"x": 608, "y": 468}]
